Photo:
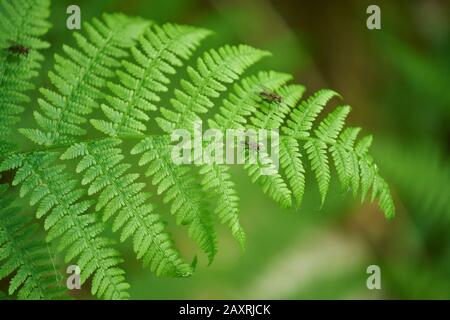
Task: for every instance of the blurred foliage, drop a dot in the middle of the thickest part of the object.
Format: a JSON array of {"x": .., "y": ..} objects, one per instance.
[
  {"x": 421, "y": 175},
  {"x": 397, "y": 80}
]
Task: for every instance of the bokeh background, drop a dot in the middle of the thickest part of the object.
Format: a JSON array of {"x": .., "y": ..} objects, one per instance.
[{"x": 397, "y": 81}]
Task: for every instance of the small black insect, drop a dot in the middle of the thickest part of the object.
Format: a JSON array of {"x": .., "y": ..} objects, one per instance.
[
  {"x": 19, "y": 49},
  {"x": 252, "y": 145},
  {"x": 270, "y": 96}
]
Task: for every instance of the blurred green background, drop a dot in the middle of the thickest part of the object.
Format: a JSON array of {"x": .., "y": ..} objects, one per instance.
[{"x": 397, "y": 81}]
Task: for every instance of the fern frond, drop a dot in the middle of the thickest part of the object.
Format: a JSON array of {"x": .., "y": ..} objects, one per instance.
[
  {"x": 136, "y": 63},
  {"x": 161, "y": 50},
  {"x": 120, "y": 196},
  {"x": 79, "y": 76},
  {"x": 21, "y": 24},
  {"x": 78, "y": 232},
  {"x": 21, "y": 252},
  {"x": 214, "y": 69},
  {"x": 180, "y": 188}
]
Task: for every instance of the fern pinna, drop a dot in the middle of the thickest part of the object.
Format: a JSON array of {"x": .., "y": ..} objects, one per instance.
[{"x": 83, "y": 178}]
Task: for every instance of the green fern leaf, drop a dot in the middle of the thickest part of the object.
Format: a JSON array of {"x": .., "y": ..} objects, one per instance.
[
  {"x": 21, "y": 251},
  {"x": 179, "y": 188},
  {"x": 348, "y": 137},
  {"x": 162, "y": 49},
  {"x": 341, "y": 162},
  {"x": 216, "y": 179},
  {"x": 290, "y": 159},
  {"x": 332, "y": 125},
  {"x": 367, "y": 171},
  {"x": 270, "y": 115},
  {"x": 121, "y": 196},
  {"x": 381, "y": 190},
  {"x": 317, "y": 153},
  {"x": 341, "y": 155},
  {"x": 302, "y": 118},
  {"x": 214, "y": 68},
  {"x": 79, "y": 76},
  {"x": 353, "y": 166},
  {"x": 21, "y": 25},
  {"x": 240, "y": 103},
  {"x": 78, "y": 232},
  {"x": 271, "y": 181},
  {"x": 363, "y": 145},
  {"x": 136, "y": 62}
]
